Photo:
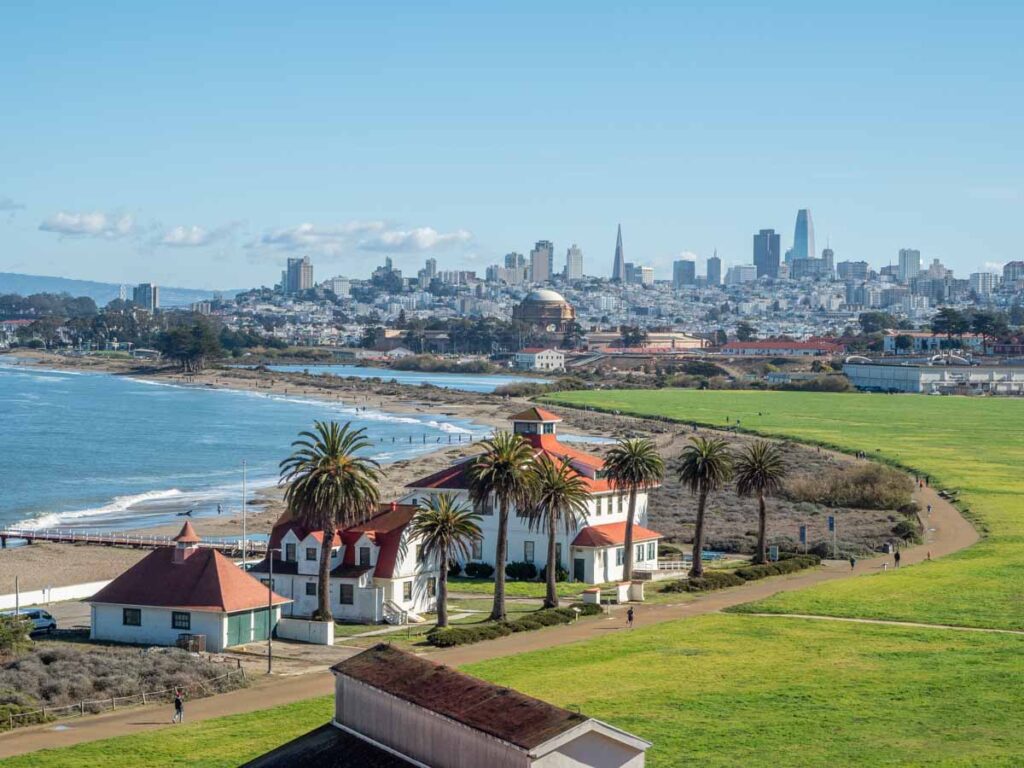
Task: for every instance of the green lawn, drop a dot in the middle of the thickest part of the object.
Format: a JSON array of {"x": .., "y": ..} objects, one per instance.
[
  {"x": 973, "y": 444},
  {"x": 225, "y": 742},
  {"x": 466, "y": 585},
  {"x": 740, "y": 690}
]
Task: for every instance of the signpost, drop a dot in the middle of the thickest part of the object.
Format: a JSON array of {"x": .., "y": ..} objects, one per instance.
[
  {"x": 773, "y": 553},
  {"x": 803, "y": 537},
  {"x": 832, "y": 530}
]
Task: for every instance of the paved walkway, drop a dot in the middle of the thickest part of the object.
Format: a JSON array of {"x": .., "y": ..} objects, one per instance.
[
  {"x": 916, "y": 624},
  {"x": 946, "y": 532}
]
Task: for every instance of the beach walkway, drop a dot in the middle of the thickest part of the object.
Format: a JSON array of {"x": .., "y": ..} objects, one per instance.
[{"x": 947, "y": 532}]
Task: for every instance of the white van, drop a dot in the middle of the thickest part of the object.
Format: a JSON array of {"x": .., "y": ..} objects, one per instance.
[{"x": 42, "y": 621}]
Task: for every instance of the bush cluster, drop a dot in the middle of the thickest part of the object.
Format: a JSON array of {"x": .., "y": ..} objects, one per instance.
[
  {"x": 479, "y": 570},
  {"x": 560, "y": 574},
  {"x": 864, "y": 486},
  {"x": 712, "y": 580},
  {"x": 474, "y": 633},
  {"x": 521, "y": 571}
]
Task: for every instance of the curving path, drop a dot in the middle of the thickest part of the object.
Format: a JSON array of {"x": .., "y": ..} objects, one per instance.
[{"x": 946, "y": 532}]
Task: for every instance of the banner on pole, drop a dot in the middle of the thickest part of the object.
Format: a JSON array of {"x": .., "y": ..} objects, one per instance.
[
  {"x": 803, "y": 534},
  {"x": 831, "y": 523}
]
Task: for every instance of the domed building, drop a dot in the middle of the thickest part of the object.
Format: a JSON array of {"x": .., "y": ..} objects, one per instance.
[{"x": 547, "y": 310}]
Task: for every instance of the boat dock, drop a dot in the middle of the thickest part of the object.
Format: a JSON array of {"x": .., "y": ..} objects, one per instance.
[{"x": 230, "y": 547}]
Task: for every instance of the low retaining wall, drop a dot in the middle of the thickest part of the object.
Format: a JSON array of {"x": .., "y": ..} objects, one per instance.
[
  {"x": 306, "y": 631},
  {"x": 51, "y": 595}
]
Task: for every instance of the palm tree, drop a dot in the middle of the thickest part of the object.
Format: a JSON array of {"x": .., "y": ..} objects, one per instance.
[
  {"x": 330, "y": 487},
  {"x": 446, "y": 528},
  {"x": 559, "y": 501},
  {"x": 759, "y": 472},
  {"x": 505, "y": 471},
  {"x": 704, "y": 466},
  {"x": 633, "y": 464}
]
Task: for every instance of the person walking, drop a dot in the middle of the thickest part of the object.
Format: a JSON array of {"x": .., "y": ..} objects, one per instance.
[
  {"x": 929, "y": 510},
  {"x": 179, "y": 707},
  {"x": 896, "y": 558},
  {"x": 629, "y": 618},
  {"x": 853, "y": 562}
]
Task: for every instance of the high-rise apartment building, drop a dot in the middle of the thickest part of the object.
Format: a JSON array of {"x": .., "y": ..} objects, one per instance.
[
  {"x": 298, "y": 276},
  {"x": 619, "y": 265},
  {"x": 766, "y": 253},
  {"x": 339, "y": 286},
  {"x": 803, "y": 238},
  {"x": 714, "y": 271},
  {"x": 909, "y": 264},
  {"x": 1013, "y": 271},
  {"x": 984, "y": 283},
  {"x": 829, "y": 257},
  {"x": 741, "y": 273},
  {"x": 646, "y": 275},
  {"x": 852, "y": 270},
  {"x": 146, "y": 296},
  {"x": 684, "y": 273},
  {"x": 574, "y": 263},
  {"x": 542, "y": 262}
]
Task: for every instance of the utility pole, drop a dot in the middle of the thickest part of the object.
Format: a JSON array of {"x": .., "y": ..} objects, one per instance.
[
  {"x": 245, "y": 543},
  {"x": 270, "y": 611}
]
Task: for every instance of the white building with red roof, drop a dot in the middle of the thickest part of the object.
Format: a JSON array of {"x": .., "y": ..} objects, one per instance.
[
  {"x": 540, "y": 359},
  {"x": 185, "y": 590},
  {"x": 595, "y": 553},
  {"x": 377, "y": 572}
]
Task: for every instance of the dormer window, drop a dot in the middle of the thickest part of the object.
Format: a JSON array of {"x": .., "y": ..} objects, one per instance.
[
  {"x": 289, "y": 553},
  {"x": 364, "y": 556},
  {"x": 310, "y": 553}
]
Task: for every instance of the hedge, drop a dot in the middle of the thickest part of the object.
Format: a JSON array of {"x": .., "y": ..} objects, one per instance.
[
  {"x": 712, "y": 580},
  {"x": 479, "y": 570},
  {"x": 475, "y": 633}
]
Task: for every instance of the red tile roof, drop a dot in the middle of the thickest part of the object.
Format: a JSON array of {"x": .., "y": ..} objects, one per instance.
[
  {"x": 188, "y": 534},
  {"x": 611, "y": 534},
  {"x": 205, "y": 581},
  {"x": 508, "y": 715},
  {"x": 535, "y": 414},
  {"x": 385, "y": 530}
]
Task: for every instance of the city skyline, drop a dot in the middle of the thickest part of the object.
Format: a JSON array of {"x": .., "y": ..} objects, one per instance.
[{"x": 329, "y": 148}]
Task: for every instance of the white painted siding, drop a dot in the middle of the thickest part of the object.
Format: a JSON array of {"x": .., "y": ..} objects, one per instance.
[{"x": 107, "y": 624}]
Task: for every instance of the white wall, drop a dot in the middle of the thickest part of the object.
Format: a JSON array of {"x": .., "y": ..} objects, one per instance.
[
  {"x": 107, "y": 624},
  {"x": 52, "y": 594},
  {"x": 592, "y": 750},
  {"x": 316, "y": 632}
]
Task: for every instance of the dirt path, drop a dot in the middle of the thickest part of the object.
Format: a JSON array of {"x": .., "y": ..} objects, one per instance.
[
  {"x": 946, "y": 532},
  {"x": 884, "y": 622}
]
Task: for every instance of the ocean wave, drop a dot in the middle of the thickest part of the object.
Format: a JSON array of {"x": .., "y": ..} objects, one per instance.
[{"x": 118, "y": 504}]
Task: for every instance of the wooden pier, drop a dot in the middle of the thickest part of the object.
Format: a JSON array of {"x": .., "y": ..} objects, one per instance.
[{"x": 230, "y": 547}]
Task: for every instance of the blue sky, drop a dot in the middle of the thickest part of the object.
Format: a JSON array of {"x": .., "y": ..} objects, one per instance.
[{"x": 201, "y": 146}]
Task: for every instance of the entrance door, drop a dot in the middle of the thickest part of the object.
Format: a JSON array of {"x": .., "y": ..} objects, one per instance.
[
  {"x": 239, "y": 628},
  {"x": 579, "y": 569},
  {"x": 261, "y": 624}
]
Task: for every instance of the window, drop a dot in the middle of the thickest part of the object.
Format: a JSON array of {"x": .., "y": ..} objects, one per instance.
[
  {"x": 347, "y": 594},
  {"x": 131, "y": 617},
  {"x": 311, "y": 553},
  {"x": 407, "y": 591},
  {"x": 619, "y": 555},
  {"x": 421, "y": 554},
  {"x": 289, "y": 553},
  {"x": 432, "y": 587},
  {"x": 486, "y": 507},
  {"x": 311, "y": 588},
  {"x": 652, "y": 550},
  {"x": 615, "y": 505},
  {"x": 477, "y": 550},
  {"x": 639, "y": 553},
  {"x": 181, "y": 620},
  {"x": 364, "y": 556},
  {"x": 528, "y": 551},
  {"x": 604, "y": 505},
  {"x": 267, "y": 583},
  {"x": 558, "y": 554},
  {"x": 549, "y": 429}
]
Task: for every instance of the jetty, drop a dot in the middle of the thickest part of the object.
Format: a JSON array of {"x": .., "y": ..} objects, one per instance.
[{"x": 229, "y": 547}]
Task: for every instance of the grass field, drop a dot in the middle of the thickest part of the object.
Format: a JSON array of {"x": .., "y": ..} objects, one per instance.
[
  {"x": 975, "y": 445},
  {"x": 728, "y": 689}
]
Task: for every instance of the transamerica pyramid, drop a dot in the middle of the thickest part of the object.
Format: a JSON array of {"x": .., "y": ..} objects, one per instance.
[{"x": 619, "y": 267}]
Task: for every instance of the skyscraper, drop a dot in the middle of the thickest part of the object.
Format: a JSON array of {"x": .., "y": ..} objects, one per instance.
[
  {"x": 766, "y": 253},
  {"x": 146, "y": 296},
  {"x": 829, "y": 257},
  {"x": 803, "y": 237},
  {"x": 909, "y": 265},
  {"x": 714, "y": 270},
  {"x": 619, "y": 265},
  {"x": 574, "y": 263},
  {"x": 298, "y": 276},
  {"x": 542, "y": 261},
  {"x": 684, "y": 273}
]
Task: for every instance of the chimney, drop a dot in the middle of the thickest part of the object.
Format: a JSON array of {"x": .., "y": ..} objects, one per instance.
[
  {"x": 394, "y": 506},
  {"x": 186, "y": 543}
]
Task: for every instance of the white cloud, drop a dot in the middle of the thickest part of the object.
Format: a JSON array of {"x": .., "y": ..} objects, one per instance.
[
  {"x": 357, "y": 235},
  {"x": 10, "y": 204},
  {"x": 94, "y": 224},
  {"x": 412, "y": 240},
  {"x": 195, "y": 236}
]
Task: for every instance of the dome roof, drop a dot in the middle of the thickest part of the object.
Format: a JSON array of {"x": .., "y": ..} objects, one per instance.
[{"x": 545, "y": 294}]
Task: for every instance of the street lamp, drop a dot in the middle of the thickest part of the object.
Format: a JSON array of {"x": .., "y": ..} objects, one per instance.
[{"x": 270, "y": 608}]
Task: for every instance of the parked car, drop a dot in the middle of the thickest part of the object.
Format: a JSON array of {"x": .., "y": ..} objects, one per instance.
[{"x": 42, "y": 621}]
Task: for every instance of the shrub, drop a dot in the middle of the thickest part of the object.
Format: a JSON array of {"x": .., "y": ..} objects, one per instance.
[
  {"x": 14, "y": 635},
  {"x": 475, "y": 633},
  {"x": 907, "y": 530},
  {"x": 864, "y": 486},
  {"x": 520, "y": 571},
  {"x": 560, "y": 574},
  {"x": 712, "y": 580},
  {"x": 454, "y": 570},
  {"x": 479, "y": 570}
]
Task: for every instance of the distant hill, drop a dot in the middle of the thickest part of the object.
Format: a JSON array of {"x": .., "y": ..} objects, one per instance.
[{"x": 101, "y": 293}]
